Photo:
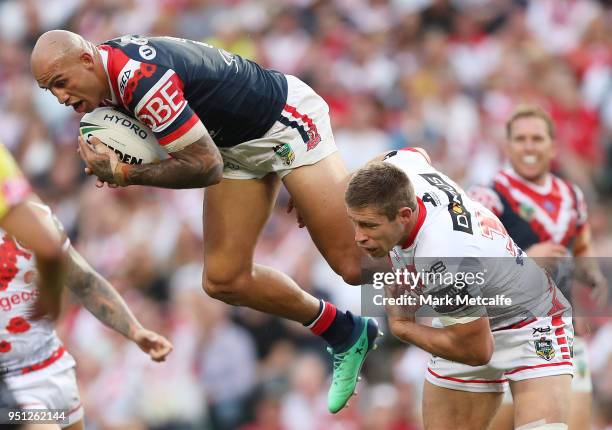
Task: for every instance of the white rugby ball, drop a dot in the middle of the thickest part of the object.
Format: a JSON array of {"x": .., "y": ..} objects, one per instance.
[{"x": 131, "y": 140}]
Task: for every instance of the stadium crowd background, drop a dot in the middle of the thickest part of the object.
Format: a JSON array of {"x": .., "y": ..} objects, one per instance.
[{"x": 439, "y": 74}]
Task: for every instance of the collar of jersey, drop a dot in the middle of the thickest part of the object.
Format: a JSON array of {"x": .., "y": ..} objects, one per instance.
[
  {"x": 419, "y": 223},
  {"x": 104, "y": 53},
  {"x": 544, "y": 189}
]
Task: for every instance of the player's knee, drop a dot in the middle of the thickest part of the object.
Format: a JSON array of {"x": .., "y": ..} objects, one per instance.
[{"x": 225, "y": 285}]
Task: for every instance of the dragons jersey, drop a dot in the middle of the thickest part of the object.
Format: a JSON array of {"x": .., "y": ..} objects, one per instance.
[
  {"x": 25, "y": 346},
  {"x": 181, "y": 88},
  {"x": 555, "y": 211},
  {"x": 488, "y": 274}
]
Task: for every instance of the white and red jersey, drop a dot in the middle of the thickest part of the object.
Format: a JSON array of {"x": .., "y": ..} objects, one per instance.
[
  {"x": 457, "y": 236},
  {"x": 26, "y": 347},
  {"x": 555, "y": 211}
]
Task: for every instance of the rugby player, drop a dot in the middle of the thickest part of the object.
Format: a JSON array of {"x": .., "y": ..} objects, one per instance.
[
  {"x": 222, "y": 116},
  {"x": 403, "y": 208},
  {"x": 19, "y": 218},
  {"x": 547, "y": 217},
  {"x": 33, "y": 362}
]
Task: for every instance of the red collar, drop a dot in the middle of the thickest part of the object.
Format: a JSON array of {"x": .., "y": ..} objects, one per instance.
[{"x": 419, "y": 223}]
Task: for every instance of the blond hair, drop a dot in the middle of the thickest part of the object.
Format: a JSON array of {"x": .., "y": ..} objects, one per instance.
[{"x": 530, "y": 111}]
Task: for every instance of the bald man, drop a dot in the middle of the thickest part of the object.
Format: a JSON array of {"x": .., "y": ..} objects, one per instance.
[{"x": 220, "y": 115}]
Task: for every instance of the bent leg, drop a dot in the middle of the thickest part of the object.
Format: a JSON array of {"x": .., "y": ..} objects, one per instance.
[
  {"x": 445, "y": 409},
  {"x": 318, "y": 195},
  {"x": 545, "y": 400},
  {"x": 235, "y": 212}
]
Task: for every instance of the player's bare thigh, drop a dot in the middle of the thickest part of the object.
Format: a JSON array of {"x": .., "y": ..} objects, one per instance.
[
  {"x": 504, "y": 418},
  {"x": 546, "y": 398},
  {"x": 318, "y": 195},
  {"x": 445, "y": 409},
  {"x": 235, "y": 211},
  {"x": 581, "y": 414}
]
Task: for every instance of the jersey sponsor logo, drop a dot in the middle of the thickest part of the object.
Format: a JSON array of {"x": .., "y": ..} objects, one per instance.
[
  {"x": 126, "y": 73},
  {"x": 7, "y": 303},
  {"x": 163, "y": 103},
  {"x": 462, "y": 219},
  {"x": 544, "y": 348}
]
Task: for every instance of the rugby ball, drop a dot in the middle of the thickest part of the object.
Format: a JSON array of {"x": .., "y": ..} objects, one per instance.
[{"x": 131, "y": 140}]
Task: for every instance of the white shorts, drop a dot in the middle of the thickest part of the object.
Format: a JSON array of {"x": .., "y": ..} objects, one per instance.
[
  {"x": 56, "y": 391},
  {"x": 581, "y": 383},
  {"x": 301, "y": 136},
  {"x": 539, "y": 349}
]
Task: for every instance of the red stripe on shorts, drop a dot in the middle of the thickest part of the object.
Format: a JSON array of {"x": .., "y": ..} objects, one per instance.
[
  {"x": 520, "y": 369},
  {"x": 475, "y": 381}
]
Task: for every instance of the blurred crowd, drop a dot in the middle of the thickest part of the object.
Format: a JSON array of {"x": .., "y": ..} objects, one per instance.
[{"x": 440, "y": 74}]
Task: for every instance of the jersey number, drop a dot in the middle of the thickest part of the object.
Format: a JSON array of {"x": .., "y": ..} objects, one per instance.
[{"x": 490, "y": 226}]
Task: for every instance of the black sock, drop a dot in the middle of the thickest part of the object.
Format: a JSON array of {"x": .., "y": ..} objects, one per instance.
[{"x": 332, "y": 325}]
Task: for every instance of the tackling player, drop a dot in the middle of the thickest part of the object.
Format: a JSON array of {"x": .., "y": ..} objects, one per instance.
[
  {"x": 220, "y": 115},
  {"x": 405, "y": 209},
  {"x": 18, "y": 218},
  {"x": 547, "y": 217},
  {"x": 33, "y": 362}
]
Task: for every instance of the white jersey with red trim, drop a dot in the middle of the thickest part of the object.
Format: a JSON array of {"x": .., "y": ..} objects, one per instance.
[
  {"x": 480, "y": 270},
  {"x": 26, "y": 346}
]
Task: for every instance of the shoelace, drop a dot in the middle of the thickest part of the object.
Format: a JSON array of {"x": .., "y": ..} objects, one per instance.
[{"x": 338, "y": 358}]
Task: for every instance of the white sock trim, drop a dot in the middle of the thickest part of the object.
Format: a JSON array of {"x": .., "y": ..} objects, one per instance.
[{"x": 312, "y": 324}]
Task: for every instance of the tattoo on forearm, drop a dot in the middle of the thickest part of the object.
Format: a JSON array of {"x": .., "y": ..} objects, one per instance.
[
  {"x": 198, "y": 165},
  {"x": 99, "y": 297},
  {"x": 103, "y": 170}
]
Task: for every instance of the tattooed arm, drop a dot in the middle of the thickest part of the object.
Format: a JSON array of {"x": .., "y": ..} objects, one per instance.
[
  {"x": 100, "y": 298},
  {"x": 195, "y": 166}
]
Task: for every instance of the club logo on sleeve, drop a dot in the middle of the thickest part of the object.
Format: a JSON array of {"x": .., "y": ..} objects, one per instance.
[
  {"x": 544, "y": 348},
  {"x": 163, "y": 103}
]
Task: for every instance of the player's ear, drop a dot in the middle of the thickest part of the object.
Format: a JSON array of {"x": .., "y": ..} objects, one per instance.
[
  {"x": 404, "y": 214},
  {"x": 87, "y": 60}
]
